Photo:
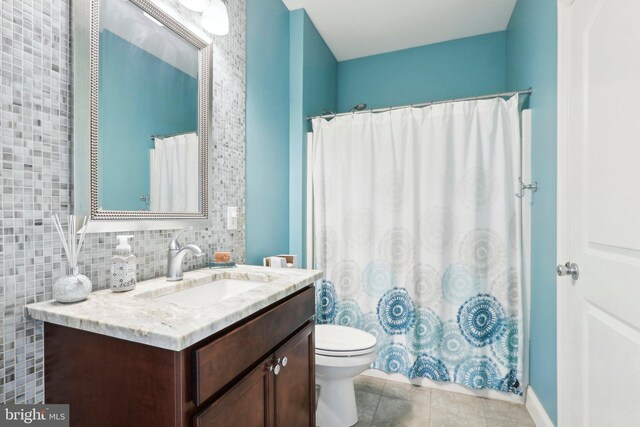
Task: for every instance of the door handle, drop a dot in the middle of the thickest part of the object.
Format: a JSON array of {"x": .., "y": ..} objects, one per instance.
[{"x": 569, "y": 269}]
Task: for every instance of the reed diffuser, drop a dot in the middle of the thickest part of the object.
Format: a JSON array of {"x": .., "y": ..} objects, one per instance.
[{"x": 73, "y": 287}]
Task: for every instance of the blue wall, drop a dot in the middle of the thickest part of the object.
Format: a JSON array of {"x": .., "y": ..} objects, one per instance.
[
  {"x": 532, "y": 61},
  {"x": 267, "y": 147},
  {"x": 314, "y": 82},
  {"x": 523, "y": 56},
  {"x": 126, "y": 127},
  {"x": 454, "y": 69}
]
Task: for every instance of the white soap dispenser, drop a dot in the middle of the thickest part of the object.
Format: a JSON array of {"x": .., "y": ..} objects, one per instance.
[{"x": 123, "y": 266}]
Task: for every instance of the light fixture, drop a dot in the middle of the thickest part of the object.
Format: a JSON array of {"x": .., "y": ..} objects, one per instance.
[
  {"x": 195, "y": 5},
  {"x": 152, "y": 19},
  {"x": 216, "y": 19}
]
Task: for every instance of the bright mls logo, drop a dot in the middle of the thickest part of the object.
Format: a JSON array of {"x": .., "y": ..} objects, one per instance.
[{"x": 34, "y": 415}]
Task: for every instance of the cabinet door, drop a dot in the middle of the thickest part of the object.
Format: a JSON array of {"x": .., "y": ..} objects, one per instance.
[
  {"x": 295, "y": 384},
  {"x": 248, "y": 404}
]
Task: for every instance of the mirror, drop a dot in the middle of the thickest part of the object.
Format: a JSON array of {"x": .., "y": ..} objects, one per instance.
[{"x": 148, "y": 113}]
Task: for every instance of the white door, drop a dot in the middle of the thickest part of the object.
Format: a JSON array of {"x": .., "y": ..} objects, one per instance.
[{"x": 600, "y": 213}]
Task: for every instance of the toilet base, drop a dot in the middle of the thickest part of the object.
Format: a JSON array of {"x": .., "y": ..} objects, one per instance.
[{"x": 336, "y": 403}]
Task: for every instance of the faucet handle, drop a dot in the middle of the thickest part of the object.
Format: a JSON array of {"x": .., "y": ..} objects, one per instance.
[{"x": 174, "y": 244}]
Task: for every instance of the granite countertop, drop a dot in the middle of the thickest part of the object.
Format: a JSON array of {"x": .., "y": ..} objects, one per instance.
[{"x": 137, "y": 316}]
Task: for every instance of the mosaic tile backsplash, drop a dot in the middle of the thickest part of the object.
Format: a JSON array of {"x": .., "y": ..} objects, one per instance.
[{"x": 35, "y": 138}]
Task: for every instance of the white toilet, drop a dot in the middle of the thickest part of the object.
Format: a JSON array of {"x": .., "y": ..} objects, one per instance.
[{"x": 341, "y": 354}]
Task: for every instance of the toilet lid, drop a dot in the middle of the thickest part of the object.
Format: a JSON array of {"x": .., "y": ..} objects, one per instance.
[{"x": 343, "y": 340}]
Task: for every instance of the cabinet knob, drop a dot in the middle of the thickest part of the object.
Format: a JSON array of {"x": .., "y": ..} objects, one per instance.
[
  {"x": 281, "y": 362},
  {"x": 275, "y": 368}
]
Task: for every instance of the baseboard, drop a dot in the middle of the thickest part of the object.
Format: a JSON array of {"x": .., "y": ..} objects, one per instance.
[
  {"x": 452, "y": 387},
  {"x": 536, "y": 410}
]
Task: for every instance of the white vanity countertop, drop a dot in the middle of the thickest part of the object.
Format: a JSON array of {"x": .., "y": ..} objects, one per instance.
[{"x": 137, "y": 316}]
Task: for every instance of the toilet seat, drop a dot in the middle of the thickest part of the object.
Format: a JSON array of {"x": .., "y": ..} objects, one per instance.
[
  {"x": 346, "y": 362},
  {"x": 343, "y": 341},
  {"x": 328, "y": 353}
]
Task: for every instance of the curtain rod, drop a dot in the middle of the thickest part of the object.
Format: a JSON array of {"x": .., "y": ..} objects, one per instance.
[
  {"x": 426, "y": 104},
  {"x": 170, "y": 135}
]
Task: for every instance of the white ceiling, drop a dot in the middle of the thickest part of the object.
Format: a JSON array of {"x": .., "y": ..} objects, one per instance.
[{"x": 357, "y": 28}]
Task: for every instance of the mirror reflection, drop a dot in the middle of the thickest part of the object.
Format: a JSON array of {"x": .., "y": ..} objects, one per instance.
[{"x": 148, "y": 147}]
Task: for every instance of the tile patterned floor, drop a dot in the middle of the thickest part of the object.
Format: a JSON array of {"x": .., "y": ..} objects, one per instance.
[{"x": 390, "y": 404}]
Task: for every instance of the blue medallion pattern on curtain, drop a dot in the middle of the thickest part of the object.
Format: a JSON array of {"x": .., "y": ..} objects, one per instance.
[{"x": 418, "y": 231}]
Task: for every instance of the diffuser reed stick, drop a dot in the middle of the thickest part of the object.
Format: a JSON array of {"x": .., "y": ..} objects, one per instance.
[{"x": 70, "y": 242}]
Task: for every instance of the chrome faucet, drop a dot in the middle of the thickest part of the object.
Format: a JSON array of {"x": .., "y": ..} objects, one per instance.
[{"x": 176, "y": 254}]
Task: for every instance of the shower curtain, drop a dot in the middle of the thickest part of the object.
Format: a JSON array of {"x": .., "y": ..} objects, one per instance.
[
  {"x": 418, "y": 230},
  {"x": 174, "y": 174}
]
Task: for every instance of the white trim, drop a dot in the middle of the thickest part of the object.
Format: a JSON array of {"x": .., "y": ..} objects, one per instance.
[
  {"x": 563, "y": 292},
  {"x": 527, "y": 136},
  {"x": 145, "y": 225},
  {"x": 452, "y": 387},
  {"x": 309, "y": 260},
  {"x": 536, "y": 410}
]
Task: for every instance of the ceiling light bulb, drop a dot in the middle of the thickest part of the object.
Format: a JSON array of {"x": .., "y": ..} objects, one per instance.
[
  {"x": 216, "y": 19},
  {"x": 195, "y": 5}
]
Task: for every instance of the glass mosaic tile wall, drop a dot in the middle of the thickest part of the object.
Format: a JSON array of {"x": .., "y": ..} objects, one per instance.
[{"x": 36, "y": 119}]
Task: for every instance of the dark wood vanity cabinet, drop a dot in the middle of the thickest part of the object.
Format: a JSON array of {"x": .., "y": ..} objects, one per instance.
[
  {"x": 294, "y": 396},
  {"x": 264, "y": 398},
  {"x": 257, "y": 373}
]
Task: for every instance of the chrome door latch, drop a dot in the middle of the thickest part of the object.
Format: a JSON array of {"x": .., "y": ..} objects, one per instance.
[{"x": 569, "y": 269}]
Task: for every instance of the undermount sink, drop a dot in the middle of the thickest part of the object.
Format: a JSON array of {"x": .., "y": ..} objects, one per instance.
[{"x": 209, "y": 293}]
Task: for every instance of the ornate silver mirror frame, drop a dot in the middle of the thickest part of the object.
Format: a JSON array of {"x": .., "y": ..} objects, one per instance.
[{"x": 86, "y": 29}]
